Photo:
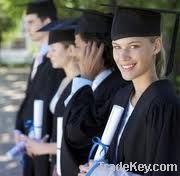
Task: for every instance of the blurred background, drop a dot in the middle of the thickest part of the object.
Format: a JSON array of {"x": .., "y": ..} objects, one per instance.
[{"x": 16, "y": 55}]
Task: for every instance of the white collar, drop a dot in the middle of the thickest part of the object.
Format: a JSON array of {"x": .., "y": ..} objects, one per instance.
[
  {"x": 43, "y": 49},
  {"x": 100, "y": 77}
]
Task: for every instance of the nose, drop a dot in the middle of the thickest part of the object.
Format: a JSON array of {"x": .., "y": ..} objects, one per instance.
[
  {"x": 27, "y": 29},
  {"x": 49, "y": 54},
  {"x": 123, "y": 55}
]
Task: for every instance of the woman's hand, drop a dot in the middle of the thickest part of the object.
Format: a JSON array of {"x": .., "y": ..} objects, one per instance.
[
  {"x": 17, "y": 136},
  {"x": 34, "y": 147},
  {"x": 55, "y": 171},
  {"x": 92, "y": 61},
  {"x": 85, "y": 168}
]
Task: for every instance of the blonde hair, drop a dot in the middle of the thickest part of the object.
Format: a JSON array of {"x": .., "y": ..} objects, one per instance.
[{"x": 161, "y": 61}]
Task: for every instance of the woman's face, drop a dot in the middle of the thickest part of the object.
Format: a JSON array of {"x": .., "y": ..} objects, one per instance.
[
  {"x": 134, "y": 56},
  {"x": 58, "y": 55}
]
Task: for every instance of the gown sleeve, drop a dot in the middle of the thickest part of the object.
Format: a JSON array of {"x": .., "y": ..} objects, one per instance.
[
  {"x": 82, "y": 106},
  {"x": 19, "y": 121},
  {"x": 87, "y": 117},
  {"x": 163, "y": 134}
]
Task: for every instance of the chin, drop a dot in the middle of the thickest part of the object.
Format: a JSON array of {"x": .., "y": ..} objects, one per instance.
[
  {"x": 127, "y": 77},
  {"x": 34, "y": 39},
  {"x": 54, "y": 65}
]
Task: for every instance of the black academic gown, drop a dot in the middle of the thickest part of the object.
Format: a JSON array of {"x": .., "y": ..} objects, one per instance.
[
  {"x": 152, "y": 134},
  {"x": 43, "y": 86},
  {"x": 86, "y": 116},
  {"x": 59, "y": 110}
]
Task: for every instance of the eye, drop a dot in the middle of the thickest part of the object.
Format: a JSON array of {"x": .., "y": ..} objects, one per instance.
[
  {"x": 53, "y": 49},
  {"x": 29, "y": 22},
  {"x": 134, "y": 46},
  {"x": 116, "y": 47},
  {"x": 32, "y": 22}
]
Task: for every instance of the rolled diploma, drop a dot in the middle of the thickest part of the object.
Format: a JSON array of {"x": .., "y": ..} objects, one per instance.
[
  {"x": 114, "y": 119},
  {"x": 17, "y": 150},
  {"x": 59, "y": 141},
  {"x": 38, "y": 118}
]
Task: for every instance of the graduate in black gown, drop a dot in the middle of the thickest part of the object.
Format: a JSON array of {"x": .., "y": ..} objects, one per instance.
[
  {"x": 148, "y": 132},
  {"x": 88, "y": 106},
  {"x": 61, "y": 47},
  {"x": 42, "y": 84}
]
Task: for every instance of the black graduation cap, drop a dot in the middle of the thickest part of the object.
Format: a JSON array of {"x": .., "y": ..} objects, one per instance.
[
  {"x": 135, "y": 23},
  {"x": 60, "y": 24},
  {"x": 92, "y": 21},
  {"x": 44, "y": 8},
  {"x": 60, "y": 30},
  {"x": 67, "y": 24},
  {"x": 142, "y": 8},
  {"x": 50, "y": 26},
  {"x": 56, "y": 36},
  {"x": 143, "y": 22}
]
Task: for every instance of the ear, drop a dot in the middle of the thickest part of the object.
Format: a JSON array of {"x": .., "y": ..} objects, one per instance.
[
  {"x": 70, "y": 50},
  {"x": 157, "y": 45},
  {"x": 48, "y": 54}
]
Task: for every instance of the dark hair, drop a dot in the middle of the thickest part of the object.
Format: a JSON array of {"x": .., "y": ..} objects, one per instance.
[
  {"x": 108, "y": 51},
  {"x": 43, "y": 9},
  {"x": 67, "y": 43},
  {"x": 52, "y": 18}
]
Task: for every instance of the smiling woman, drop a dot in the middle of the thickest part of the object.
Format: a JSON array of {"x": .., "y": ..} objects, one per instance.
[{"x": 148, "y": 127}]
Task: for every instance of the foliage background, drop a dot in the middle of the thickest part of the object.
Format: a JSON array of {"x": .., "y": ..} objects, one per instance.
[{"x": 11, "y": 16}]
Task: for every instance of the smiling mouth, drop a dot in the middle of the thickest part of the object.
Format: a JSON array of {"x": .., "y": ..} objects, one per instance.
[{"x": 128, "y": 67}]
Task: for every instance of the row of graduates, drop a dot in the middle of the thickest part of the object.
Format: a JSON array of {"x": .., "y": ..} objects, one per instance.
[{"x": 78, "y": 79}]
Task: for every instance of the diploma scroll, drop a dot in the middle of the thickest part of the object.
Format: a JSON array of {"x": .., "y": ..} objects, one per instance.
[
  {"x": 17, "y": 151},
  {"x": 38, "y": 118},
  {"x": 59, "y": 141},
  {"x": 109, "y": 131}
]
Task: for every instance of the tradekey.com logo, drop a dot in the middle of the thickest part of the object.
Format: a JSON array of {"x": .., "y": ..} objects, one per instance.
[{"x": 140, "y": 167}]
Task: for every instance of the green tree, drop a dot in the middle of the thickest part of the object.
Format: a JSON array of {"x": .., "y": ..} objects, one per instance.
[{"x": 11, "y": 15}]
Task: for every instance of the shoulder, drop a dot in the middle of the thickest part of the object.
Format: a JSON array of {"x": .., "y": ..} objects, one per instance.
[
  {"x": 122, "y": 95},
  {"x": 164, "y": 105},
  {"x": 162, "y": 93}
]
